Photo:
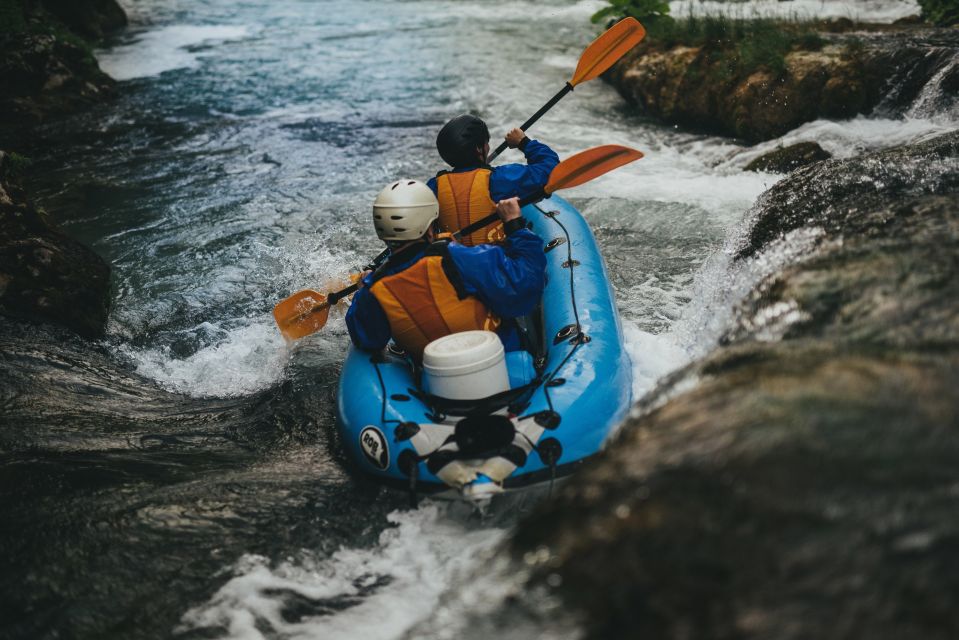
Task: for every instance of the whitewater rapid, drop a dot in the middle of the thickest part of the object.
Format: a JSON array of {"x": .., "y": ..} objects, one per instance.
[{"x": 287, "y": 117}]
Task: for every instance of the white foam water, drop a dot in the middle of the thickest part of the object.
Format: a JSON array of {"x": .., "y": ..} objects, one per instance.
[
  {"x": 881, "y": 11},
  {"x": 244, "y": 360},
  {"x": 164, "y": 49},
  {"x": 848, "y": 138},
  {"x": 375, "y": 594}
]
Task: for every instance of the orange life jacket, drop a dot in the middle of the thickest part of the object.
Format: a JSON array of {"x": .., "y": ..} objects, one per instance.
[
  {"x": 464, "y": 198},
  {"x": 426, "y": 301}
]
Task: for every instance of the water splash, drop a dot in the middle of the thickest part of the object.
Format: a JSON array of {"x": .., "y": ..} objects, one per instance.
[
  {"x": 376, "y": 593},
  {"x": 165, "y": 49}
]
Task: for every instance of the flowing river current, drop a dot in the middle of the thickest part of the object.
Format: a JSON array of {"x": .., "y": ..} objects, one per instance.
[{"x": 181, "y": 477}]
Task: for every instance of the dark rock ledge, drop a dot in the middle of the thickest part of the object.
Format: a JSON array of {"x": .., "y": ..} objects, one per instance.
[
  {"x": 47, "y": 66},
  {"x": 46, "y": 276},
  {"x": 47, "y": 70},
  {"x": 802, "y": 480}
]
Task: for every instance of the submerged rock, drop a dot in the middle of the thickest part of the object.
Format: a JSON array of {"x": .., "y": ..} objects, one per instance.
[
  {"x": 786, "y": 159},
  {"x": 46, "y": 276},
  {"x": 800, "y": 481}
]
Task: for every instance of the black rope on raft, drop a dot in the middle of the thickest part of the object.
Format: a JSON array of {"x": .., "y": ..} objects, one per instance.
[
  {"x": 379, "y": 376},
  {"x": 549, "y": 400},
  {"x": 578, "y": 339},
  {"x": 550, "y": 460},
  {"x": 414, "y": 477}
]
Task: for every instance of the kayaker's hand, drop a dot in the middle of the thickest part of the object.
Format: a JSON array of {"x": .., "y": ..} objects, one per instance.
[
  {"x": 508, "y": 209},
  {"x": 357, "y": 278},
  {"x": 515, "y": 137}
]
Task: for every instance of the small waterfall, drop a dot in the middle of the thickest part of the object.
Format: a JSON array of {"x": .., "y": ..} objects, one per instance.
[
  {"x": 940, "y": 95},
  {"x": 925, "y": 83}
]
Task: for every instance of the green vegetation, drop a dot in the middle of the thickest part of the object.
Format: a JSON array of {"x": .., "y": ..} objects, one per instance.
[
  {"x": 11, "y": 17},
  {"x": 940, "y": 12},
  {"x": 14, "y": 164},
  {"x": 742, "y": 44},
  {"x": 16, "y": 18},
  {"x": 648, "y": 12}
]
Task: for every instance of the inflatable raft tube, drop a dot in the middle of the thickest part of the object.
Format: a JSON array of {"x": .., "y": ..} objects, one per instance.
[{"x": 563, "y": 403}]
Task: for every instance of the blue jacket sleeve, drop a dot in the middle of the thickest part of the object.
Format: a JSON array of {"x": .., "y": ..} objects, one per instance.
[
  {"x": 510, "y": 278},
  {"x": 365, "y": 320},
  {"x": 431, "y": 183},
  {"x": 520, "y": 180}
]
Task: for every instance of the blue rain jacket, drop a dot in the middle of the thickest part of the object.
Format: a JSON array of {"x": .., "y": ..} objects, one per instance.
[
  {"x": 517, "y": 180},
  {"x": 509, "y": 279}
]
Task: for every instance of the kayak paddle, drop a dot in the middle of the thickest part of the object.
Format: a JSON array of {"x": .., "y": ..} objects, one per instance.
[
  {"x": 307, "y": 311},
  {"x": 599, "y": 56}
]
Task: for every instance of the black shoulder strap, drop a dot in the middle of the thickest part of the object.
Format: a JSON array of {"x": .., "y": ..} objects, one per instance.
[
  {"x": 399, "y": 257},
  {"x": 439, "y": 247}
]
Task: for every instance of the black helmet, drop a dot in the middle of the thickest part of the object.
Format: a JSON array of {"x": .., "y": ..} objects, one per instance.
[{"x": 458, "y": 139}]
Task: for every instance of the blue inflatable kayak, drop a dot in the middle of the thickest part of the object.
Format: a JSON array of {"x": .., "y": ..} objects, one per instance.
[{"x": 563, "y": 402}]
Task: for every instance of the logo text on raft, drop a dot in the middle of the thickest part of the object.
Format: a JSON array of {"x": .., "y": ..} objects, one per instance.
[{"x": 373, "y": 443}]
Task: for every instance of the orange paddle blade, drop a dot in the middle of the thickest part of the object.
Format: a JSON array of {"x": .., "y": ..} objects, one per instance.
[
  {"x": 609, "y": 47},
  {"x": 301, "y": 314},
  {"x": 589, "y": 164}
]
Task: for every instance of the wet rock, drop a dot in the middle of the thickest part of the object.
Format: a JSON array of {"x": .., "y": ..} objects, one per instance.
[
  {"x": 703, "y": 88},
  {"x": 800, "y": 481},
  {"x": 786, "y": 159},
  {"x": 46, "y": 64},
  {"x": 798, "y": 492},
  {"x": 832, "y": 194},
  {"x": 897, "y": 288},
  {"x": 90, "y": 19},
  {"x": 44, "y": 76},
  {"x": 46, "y": 276}
]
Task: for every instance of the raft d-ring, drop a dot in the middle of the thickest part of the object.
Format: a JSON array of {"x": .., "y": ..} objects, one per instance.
[
  {"x": 547, "y": 419},
  {"x": 405, "y": 431},
  {"x": 570, "y": 263},
  {"x": 566, "y": 332},
  {"x": 552, "y": 244}
]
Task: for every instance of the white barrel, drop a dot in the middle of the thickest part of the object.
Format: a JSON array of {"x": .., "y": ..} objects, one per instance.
[{"x": 465, "y": 366}]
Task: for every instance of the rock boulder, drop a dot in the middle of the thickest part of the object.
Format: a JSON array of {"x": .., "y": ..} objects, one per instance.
[{"x": 46, "y": 276}]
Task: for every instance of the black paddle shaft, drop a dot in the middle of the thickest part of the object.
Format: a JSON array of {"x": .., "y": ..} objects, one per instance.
[{"x": 536, "y": 116}]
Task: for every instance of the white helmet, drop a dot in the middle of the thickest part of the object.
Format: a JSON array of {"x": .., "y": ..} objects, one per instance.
[{"x": 404, "y": 210}]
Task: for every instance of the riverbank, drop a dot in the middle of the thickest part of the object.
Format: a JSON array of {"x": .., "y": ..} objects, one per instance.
[{"x": 709, "y": 81}]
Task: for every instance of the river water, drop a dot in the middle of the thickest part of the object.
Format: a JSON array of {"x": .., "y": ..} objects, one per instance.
[{"x": 181, "y": 477}]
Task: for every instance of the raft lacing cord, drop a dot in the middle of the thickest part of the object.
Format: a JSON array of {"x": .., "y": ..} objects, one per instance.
[
  {"x": 414, "y": 476},
  {"x": 569, "y": 260},
  {"x": 578, "y": 339},
  {"x": 552, "y": 462},
  {"x": 572, "y": 296},
  {"x": 379, "y": 376}
]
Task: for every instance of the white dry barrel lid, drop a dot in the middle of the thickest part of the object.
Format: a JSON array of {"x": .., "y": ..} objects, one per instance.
[{"x": 461, "y": 353}]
